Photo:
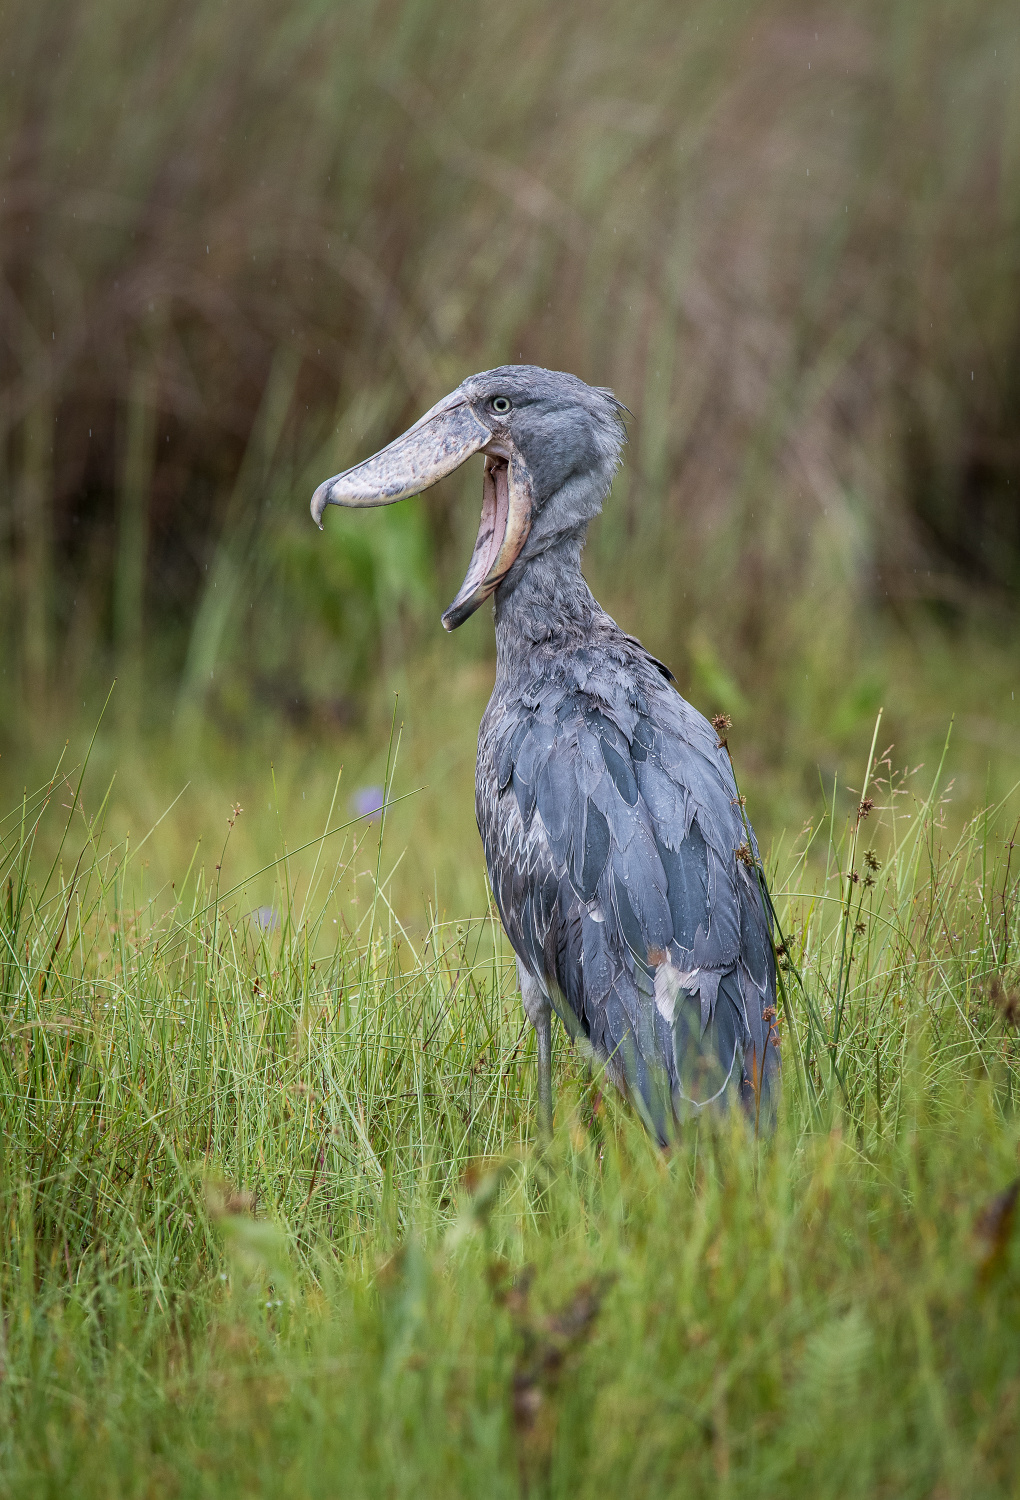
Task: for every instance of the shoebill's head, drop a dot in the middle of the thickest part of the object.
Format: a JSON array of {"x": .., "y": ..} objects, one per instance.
[{"x": 551, "y": 446}]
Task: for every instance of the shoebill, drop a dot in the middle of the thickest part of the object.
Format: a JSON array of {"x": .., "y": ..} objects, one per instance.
[{"x": 621, "y": 862}]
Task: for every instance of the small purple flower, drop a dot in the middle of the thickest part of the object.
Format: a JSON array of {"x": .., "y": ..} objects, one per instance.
[{"x": 367, "y": 802}]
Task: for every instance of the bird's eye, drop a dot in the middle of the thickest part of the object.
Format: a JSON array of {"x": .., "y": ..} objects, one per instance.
[{"x": 500, "y": 404}]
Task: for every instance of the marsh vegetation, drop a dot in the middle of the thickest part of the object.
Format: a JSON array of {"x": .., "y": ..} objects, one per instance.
[
  {"x": 274, "y": 1222},
  {"x": 271, "y": 1220}
]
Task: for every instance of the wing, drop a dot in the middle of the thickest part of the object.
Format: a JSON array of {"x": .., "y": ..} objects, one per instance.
[{"x": 611, "y": 828}]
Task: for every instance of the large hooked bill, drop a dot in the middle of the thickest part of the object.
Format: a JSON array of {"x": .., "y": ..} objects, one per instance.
[{"x": 437, "y": 444}]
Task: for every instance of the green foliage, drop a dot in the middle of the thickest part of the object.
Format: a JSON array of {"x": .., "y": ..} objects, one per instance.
[{"x": 272, "y": 1220}]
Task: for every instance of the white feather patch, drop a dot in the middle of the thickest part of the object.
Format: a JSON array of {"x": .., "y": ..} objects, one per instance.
[{"x": 669, "y": 981}]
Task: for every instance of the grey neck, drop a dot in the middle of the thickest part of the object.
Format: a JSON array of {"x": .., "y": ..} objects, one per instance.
[{"x": 544, "y": 599}]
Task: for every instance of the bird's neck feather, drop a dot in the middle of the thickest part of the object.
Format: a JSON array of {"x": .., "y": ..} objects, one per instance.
[{"x": 544, "y": 598}]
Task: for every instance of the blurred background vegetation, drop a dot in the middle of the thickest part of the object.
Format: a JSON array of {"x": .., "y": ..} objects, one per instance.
[{"x": 244, "y": 244}]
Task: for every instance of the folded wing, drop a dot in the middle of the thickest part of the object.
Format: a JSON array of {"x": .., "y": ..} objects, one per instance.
[{"x": 611, "y": 829}]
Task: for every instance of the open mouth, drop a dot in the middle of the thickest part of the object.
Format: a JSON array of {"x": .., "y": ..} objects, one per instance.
[
  {"x": 491, "y": 527},
  {"x": 502, "y": 531}
]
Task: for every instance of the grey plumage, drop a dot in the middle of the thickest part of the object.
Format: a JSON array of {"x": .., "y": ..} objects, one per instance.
[{"x": 606, "y": 805}]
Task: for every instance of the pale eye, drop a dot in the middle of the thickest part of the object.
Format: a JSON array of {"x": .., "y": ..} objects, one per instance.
[{"x": 500, "y": 404}]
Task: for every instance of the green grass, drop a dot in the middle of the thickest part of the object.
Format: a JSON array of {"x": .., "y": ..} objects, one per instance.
[
  {"x": 271, "y": 1217},
  {"x": 282, "y": 777},
  {"x": 273, "y": 1221}
]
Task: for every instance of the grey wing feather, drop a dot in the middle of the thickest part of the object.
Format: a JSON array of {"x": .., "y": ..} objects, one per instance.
[{"x": 610, "y": 836}]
